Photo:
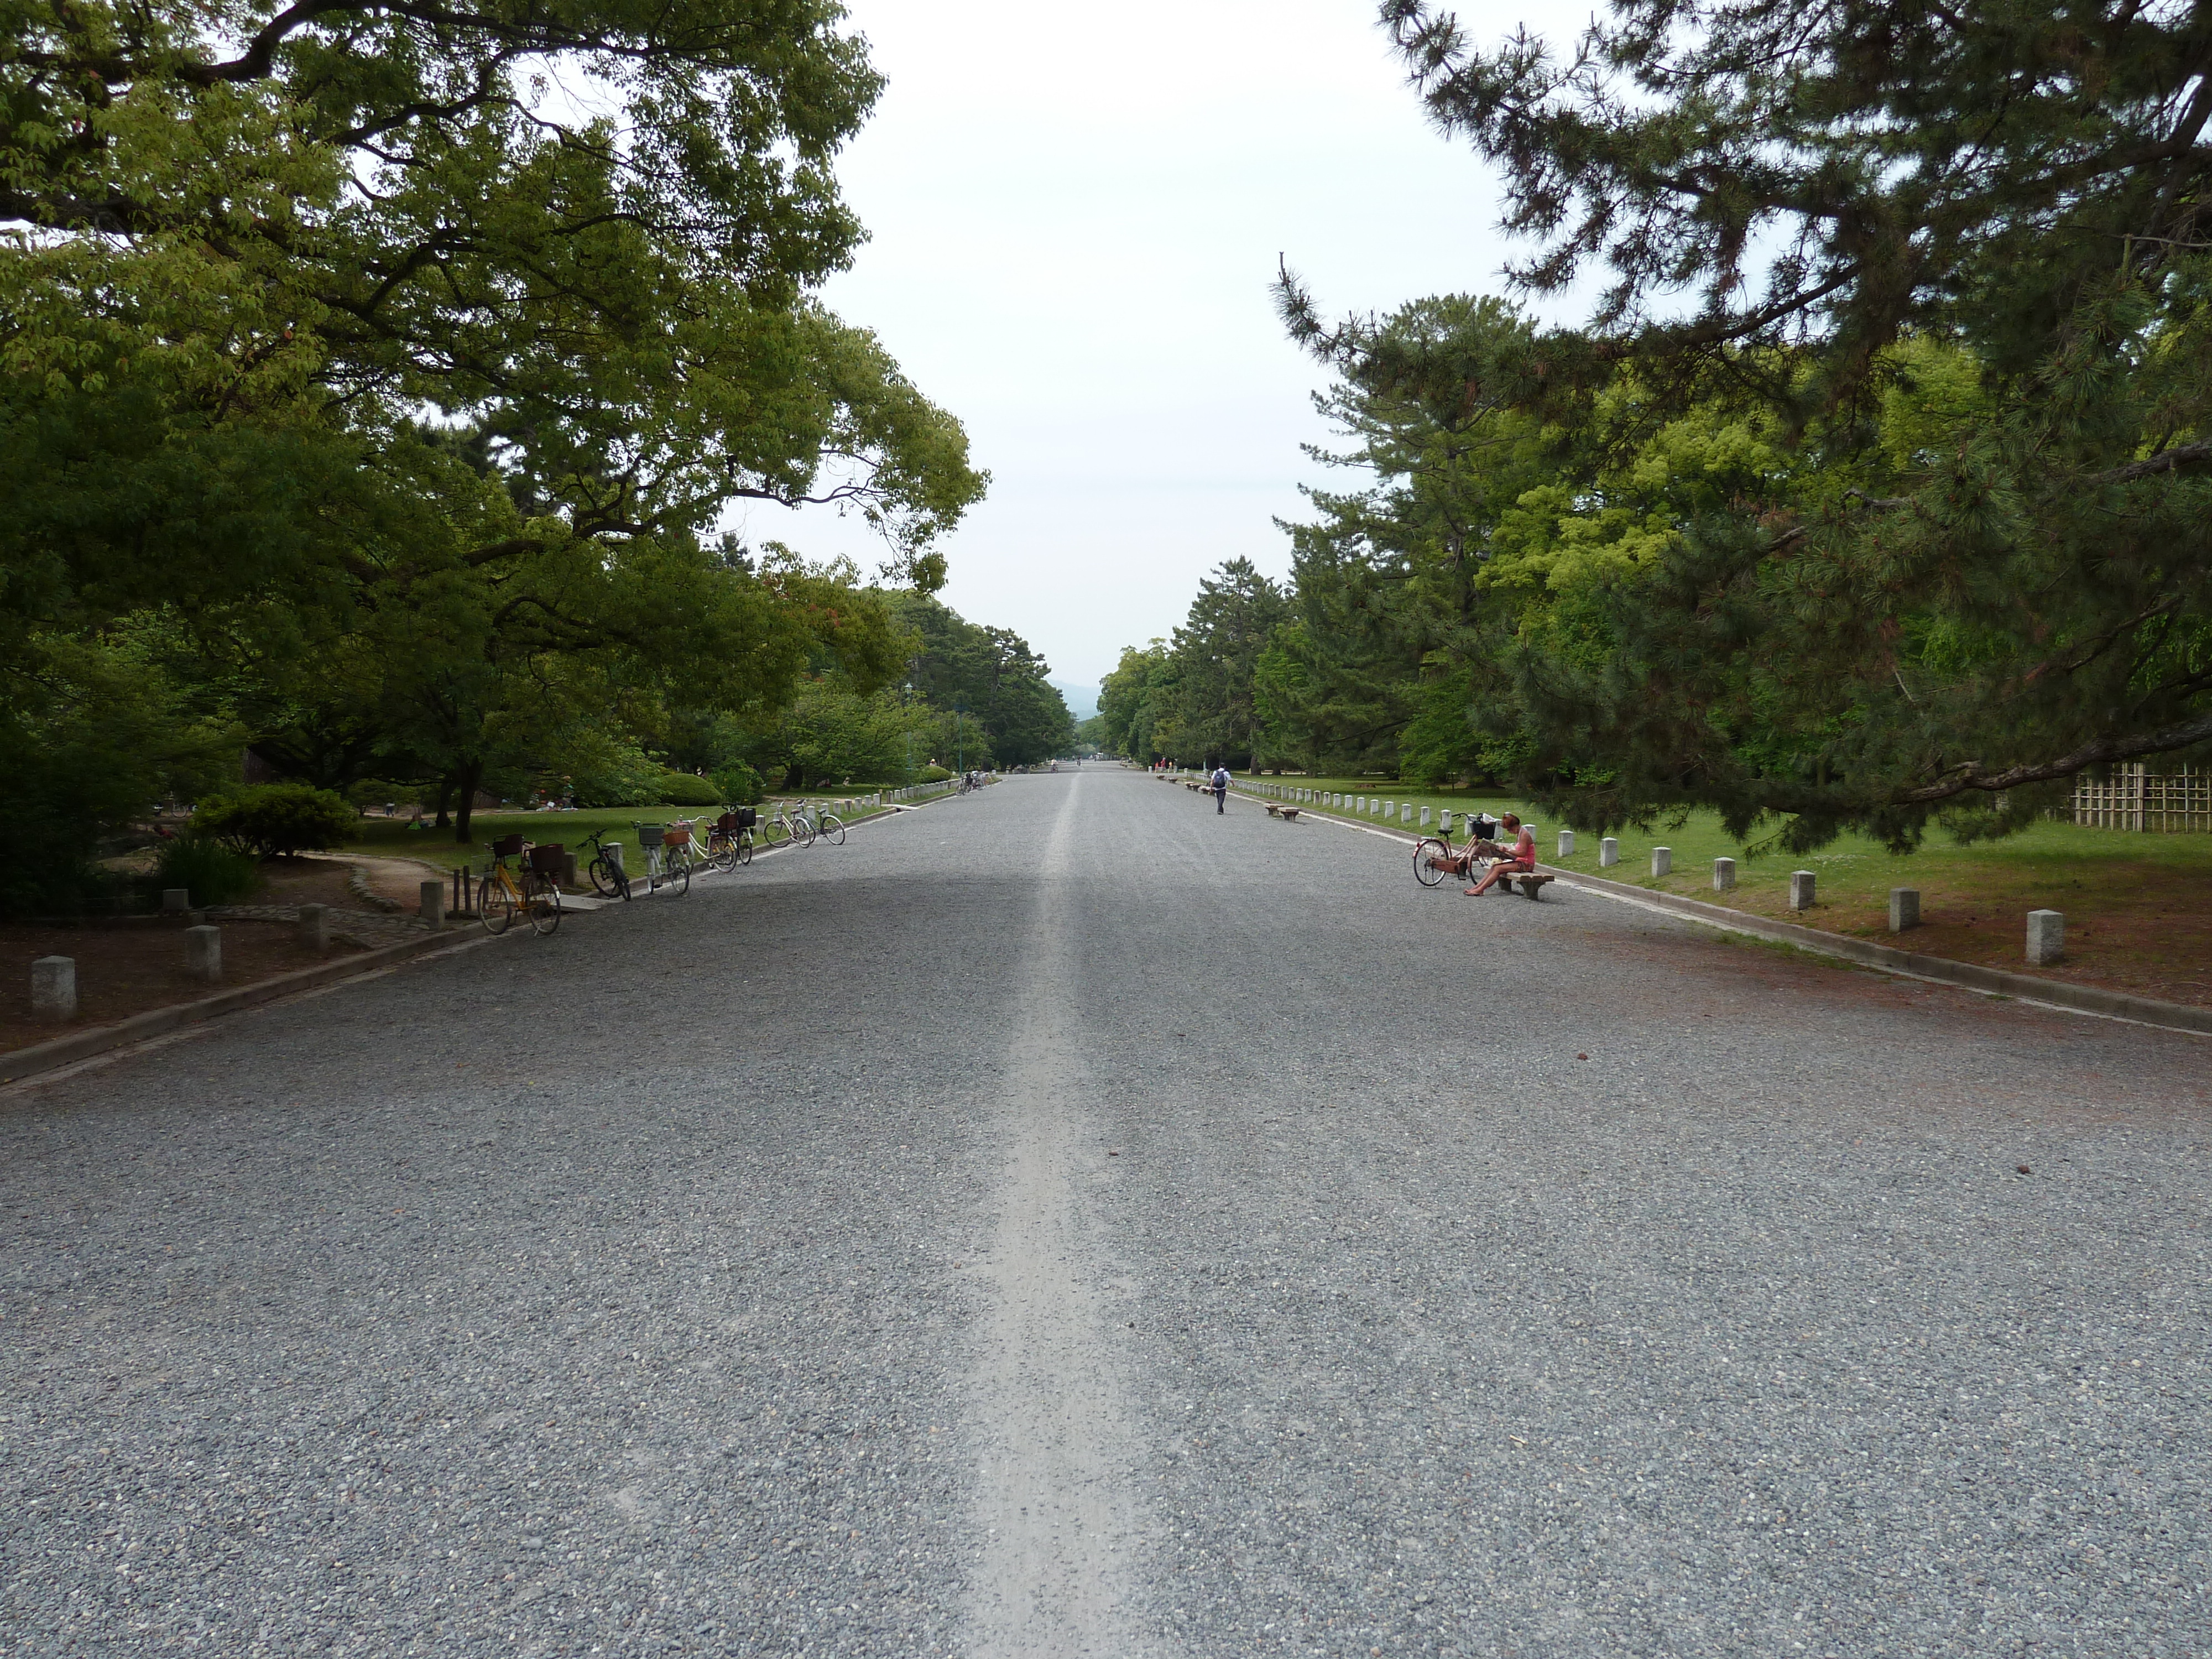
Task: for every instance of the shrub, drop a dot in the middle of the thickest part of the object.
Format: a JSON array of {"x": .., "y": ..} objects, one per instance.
[
  {"x": 276, "y": 820},
  {"x": 682, "y": 789},
  {"x": 215, "y": 873},
  {"x": 932, "y": 775},
  {"x": 597, "y": 771},
  {"x": 739, "y": 782}
]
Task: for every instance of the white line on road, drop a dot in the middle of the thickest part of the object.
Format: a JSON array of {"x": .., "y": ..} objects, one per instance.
[{"x": 1056, "y": 1520}]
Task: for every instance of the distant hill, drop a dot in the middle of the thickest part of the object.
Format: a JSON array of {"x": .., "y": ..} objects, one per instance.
[{"x": 1082, "y": 700}]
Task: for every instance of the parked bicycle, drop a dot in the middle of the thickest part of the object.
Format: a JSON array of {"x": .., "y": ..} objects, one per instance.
[
  {"x": 730, "y": 842},
  {"x": 667, "y": 848},
  {"x": 609, "y": 879},
  {"x": 827, "y": 824},
  {"x": 785, "y": 830},
  {"x": 1434, "y": 860},
  {"x": 536, "y": 895}
]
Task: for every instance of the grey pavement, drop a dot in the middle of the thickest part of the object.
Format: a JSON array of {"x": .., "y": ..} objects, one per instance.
[{"x": 1061, "y": 1221}]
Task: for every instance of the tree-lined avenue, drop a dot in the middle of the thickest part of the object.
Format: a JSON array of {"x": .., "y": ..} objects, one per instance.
[{"x": 1066, "y": 1221}]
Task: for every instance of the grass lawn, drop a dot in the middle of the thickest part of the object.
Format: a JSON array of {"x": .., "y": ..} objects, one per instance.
[{"x": 2138, "y": 906}]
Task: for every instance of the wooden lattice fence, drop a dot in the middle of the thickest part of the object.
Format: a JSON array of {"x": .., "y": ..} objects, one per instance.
[{"x": 2136, "y": 798}]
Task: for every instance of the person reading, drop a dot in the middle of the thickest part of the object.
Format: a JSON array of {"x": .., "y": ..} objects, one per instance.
[{"x": 1519, "y": 861}]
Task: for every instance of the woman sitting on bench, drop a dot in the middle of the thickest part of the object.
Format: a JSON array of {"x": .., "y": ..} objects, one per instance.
[{"x": 1520, "y": 861}]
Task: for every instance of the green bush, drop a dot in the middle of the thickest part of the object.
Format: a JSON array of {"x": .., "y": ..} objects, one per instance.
[
  {"x": 682, "y": 789},
  {"x": 932, "y": 775},
  {"x": 276, "y": 820},
  {"x": 215, "y": 873},
  {"x": 740, "y": 783}
]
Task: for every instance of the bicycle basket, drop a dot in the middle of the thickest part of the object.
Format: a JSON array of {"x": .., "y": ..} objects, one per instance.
[
  {"x": 651, "y": 834},
  {"x": 748, "y": 817},
  {"x": 546, "y": 861},
  {"x": 678, "y": 836},
  {"x": 506, "y": 847}
]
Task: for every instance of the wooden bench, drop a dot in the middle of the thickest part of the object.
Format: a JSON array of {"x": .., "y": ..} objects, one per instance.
[
  {"x": 1273, "y": 810},
  {"x": 1532, "y": 886}
]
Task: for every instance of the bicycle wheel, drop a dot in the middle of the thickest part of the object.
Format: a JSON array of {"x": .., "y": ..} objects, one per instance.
[
  {"x": 679, "y": 872},
  {"x": 833, "y": 830},
  {"x": 603, "y": 879},
  {"x": 496, "y": 906},
  {"x": 744, "y": 846},
  {"x": 802, "y": 831},
  {"x": 722, "y": 852},
  {"x": 1424, "y": 872},
  {"x": 545, "y": 907}
]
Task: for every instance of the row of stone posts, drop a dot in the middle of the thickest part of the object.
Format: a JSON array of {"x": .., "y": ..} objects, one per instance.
[
  {"x": 2046, "y": 929},
  {"x": 53, "y": 979}
]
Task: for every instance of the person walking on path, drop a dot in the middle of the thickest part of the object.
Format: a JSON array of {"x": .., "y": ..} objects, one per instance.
[{"x": 1220, "y": 784}]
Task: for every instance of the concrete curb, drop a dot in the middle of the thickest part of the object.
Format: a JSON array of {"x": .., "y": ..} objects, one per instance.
[
  {"x": 1939, "y": 970},
  {"x": 61, "y": 1051}
]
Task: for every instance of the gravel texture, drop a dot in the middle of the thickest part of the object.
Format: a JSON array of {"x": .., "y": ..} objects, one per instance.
[{"x": 1166, "y": 1235}]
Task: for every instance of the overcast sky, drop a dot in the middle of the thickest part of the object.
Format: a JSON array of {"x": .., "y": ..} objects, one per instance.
[{"x": 1075, "y": 214}]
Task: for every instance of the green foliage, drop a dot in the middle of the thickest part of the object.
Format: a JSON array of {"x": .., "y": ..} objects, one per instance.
[
  {"x": 92, "y": 735},
  {"x": 737, "y": 781},
  {"x": 212, "y": 872},
  {"x": 1134, "y": 699},
  {"x": 682, "y": 789},
  {"x": 831, "y": 733},
  {"x": 1912, "y": 513},
  {"x": 990, "y": 677},
  {"x": 398, "y": 397},
  {"x": 932, "y": 775},
  {"x": 276, "y": 820}
]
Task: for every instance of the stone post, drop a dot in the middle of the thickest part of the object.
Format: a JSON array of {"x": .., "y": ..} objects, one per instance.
[
  {"x": 615, "y": 857},
  {"x": 1663, "y": 861},
  {"x": 175, "y": 900},
  {"x": 1424, "y": 818},
  {"x": 53, "y": 988},
  {"x": 434, "y": 904},
  {"x": 2046, "y": 937},
  {"x": 1802, "y": 885},
  {"x": 1724, "y": 874},
  {"x": 1566, "y": 843},
  {"x": 1444, "y": 820},
  {"x": 204, "y": 953},
  {"x": 315, "y": 926},
  {"x": 1903, "y": 908},
  {"x": 567, "y": 876},
  {"x": 1609, "y": 852}
]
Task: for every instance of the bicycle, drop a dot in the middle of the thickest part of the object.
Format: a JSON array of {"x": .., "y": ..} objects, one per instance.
[
  {"x": 785, "y": 831},
  {"x": 609, "y": 879},
  {"x": 501, "y": 896},
  {"x": 730, "y": 842},
  {"x": 1434, "y": 860},
  {"x": 667, "y": 856},
  {"x": 827, "y": 824}
]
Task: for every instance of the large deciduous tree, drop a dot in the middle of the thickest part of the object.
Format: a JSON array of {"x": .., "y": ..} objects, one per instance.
[{"x": 259, "y": 257}]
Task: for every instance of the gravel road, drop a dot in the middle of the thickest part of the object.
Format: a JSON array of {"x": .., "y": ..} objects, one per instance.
[{"x": 1063, "y": 1221}]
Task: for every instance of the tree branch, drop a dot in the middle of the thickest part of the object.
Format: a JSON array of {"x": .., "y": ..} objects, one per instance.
[{"x": 2099, "y": 751}]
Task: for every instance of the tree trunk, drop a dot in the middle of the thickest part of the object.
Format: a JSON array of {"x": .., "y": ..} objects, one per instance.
[
  {"x": 445, "y": 794},
  {"x": 466, "y": 777}
]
